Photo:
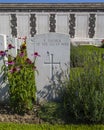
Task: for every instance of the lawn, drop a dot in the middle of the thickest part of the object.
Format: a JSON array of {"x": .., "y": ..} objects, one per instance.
[{"x": 13, "y": 126}]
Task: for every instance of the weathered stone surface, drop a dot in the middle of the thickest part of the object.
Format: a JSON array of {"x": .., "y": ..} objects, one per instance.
[{"x": 54, "y": 51}]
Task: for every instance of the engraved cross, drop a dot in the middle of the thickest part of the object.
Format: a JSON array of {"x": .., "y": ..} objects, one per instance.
[{"x": 52, "y": 63}]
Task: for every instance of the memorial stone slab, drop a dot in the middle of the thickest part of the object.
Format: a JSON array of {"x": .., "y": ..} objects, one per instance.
[
  {"x": 3, "y": 86},
  {"x": 54, "y": 51}
]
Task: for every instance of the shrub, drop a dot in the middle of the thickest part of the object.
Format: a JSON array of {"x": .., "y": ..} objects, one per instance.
[
  {"x": 52, "y": 112},
  {"x": 83, "y": 98},
  {"x": 76, "y": 57},
  {"x": 80, "y": 55}
]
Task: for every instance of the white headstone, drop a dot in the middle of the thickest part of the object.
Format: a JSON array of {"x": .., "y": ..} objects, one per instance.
[
  {"x": 13, "y": 42},
  {"x": 3, "y": 86},
  {"x": 54, "y": 51}
]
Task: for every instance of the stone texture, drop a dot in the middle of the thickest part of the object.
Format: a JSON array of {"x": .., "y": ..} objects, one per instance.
[{"x": 54, "y": 51}]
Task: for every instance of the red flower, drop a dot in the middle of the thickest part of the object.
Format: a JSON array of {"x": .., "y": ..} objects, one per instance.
[
  {"x": 10, "y": 46},
  {"x": 2, "y": 53},
  {"x": 36, "y": 54},
  {"x": 28, "y": 61}
]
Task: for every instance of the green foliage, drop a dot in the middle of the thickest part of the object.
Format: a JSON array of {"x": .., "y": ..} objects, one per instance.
[
  {"x": 22, "y": 84},
  {"x": 83, "y": 98},
  {"x": 80, "y": 55},
  {"x": 13, "y": 126},
  {"x": 52, "y": 112},
  {"x": 76, "y": 57},
  {"x": 21, "y": 78}
]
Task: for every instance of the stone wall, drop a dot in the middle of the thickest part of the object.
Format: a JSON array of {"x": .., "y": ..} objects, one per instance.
[{"x": 80, "y": 21}]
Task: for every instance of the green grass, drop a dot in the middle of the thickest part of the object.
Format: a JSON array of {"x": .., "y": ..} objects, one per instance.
[{"x": 13, "y": 126}]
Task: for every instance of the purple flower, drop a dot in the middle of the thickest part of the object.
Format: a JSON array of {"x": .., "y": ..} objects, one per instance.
[
  {"x": 24, "y": 38},
  {"x": 36, "y": 54},
  {"x": 13, "y": 70},
  {"x": 21, "y": 54},
  {"x": 18, "y": 68},
  {"x": 10, "y": 46},
  {"x": 10, "y": 62},
  {"x": 28, "y": 61},
  {"x": 2, "y": 53}
]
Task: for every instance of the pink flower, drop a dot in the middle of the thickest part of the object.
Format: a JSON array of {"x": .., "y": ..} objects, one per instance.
[
  {"x": 21, "y": 54},
  {"x": 10, "y": 62},
  {"x": 28, "y": 61},
  {"x": 36, "y": 54},
  {"x": 24, "y": 38},
  {"x": 2, "y": 53},
  {"x": 18, "y": 68},
  {"x": 10, "y": 46},
  {"x": 13, "y": 70}
]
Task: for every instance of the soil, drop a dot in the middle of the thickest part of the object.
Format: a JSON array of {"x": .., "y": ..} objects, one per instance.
[{"x": 31, "y": 117}]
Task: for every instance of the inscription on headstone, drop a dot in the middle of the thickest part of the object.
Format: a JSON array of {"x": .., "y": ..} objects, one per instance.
[{"x": 54, "y": 51}]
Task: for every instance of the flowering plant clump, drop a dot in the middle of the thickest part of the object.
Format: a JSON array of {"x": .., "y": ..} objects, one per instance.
[{"x": 19, "y": 71}]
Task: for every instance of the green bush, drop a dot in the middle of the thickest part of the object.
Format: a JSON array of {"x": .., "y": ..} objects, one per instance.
[
  {"x": 52, "y": 112},
  {"x": 83, "y": 98},
  {"x": 76, "y": 57},
  {"x": 80, "y": 55}
]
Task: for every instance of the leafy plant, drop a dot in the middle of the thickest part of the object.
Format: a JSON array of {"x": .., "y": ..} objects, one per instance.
[
  {"x": 81, "y": 55},
  {"x": 52, "y": 112},
  {"x": 20, "y": 75},
  {"x": 83, "y": 98},
  {"x": 76, "y": 57}
]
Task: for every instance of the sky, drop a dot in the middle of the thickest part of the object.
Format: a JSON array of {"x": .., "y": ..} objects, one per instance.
[{"x": 49, "y": 1}]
